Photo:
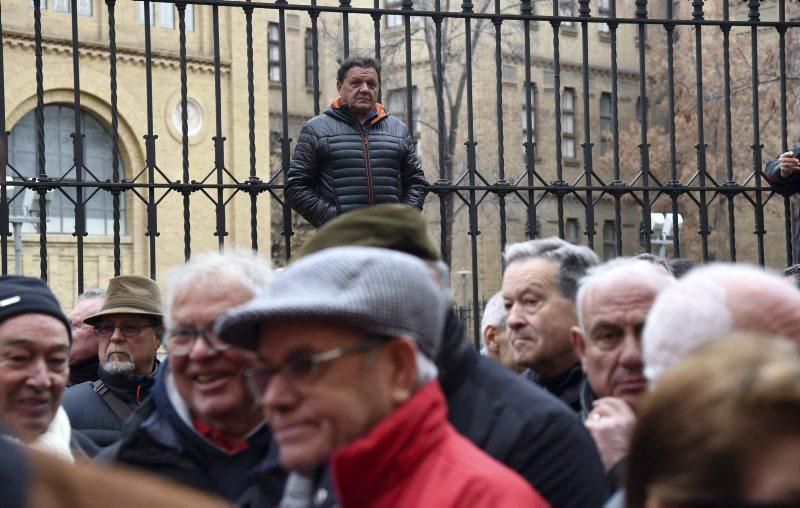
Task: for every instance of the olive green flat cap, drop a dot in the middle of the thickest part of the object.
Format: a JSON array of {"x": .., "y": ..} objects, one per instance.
[{"x": 390, "y": 226}]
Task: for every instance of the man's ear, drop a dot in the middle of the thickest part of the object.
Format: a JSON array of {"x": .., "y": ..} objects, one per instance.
[
  {"x": 578, "y": 342},
  {"x": 490, "y": 339},
  {"x": 402, "y": 357}
]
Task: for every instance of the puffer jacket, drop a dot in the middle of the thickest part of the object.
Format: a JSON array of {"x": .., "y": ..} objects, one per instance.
[
  {"x": 90, "y": 414},
  {"x": 339, "y": 165}
]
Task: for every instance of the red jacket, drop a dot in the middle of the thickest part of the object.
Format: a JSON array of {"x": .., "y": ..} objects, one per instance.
[{"x": 415, "y": 458}]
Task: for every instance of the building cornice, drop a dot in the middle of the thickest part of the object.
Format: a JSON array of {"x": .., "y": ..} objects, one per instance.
[{"x": 129, "y": 54}]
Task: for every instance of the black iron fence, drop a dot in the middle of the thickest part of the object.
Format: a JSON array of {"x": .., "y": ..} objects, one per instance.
[{"x": 714, "y": 87}]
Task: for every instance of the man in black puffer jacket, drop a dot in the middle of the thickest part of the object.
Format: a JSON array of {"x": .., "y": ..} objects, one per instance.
[{"x": 355, "y": 154}]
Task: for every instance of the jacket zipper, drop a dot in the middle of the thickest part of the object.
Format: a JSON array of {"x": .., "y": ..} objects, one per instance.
[{"x": 370, "y": 191}]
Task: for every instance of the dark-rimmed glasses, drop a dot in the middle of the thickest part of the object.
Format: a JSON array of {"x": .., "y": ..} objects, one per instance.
[
  {"x": 180, "y": 341},
  {"x": 301, "y": 368},
  {"x": 128, "y": 330}
]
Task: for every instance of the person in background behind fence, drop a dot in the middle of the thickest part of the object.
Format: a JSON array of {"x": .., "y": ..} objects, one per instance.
[
  {"x": 495, "y": 333},
  {"x": 83, "y": 361},
  {"x": 355, "y": 154}
]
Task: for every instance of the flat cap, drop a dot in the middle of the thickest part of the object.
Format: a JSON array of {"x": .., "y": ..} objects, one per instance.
[
  {"x": 379, "y": 291},
  {"x": 390, "y": 226}
]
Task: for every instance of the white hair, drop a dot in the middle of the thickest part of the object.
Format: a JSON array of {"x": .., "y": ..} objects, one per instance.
[
  {"x": 426, "y": 369},
  {"x": 692, "y": 313},
  {"x": 494, "y": 314},
  {"x": 572, "y": 260},
  {"x": 649, "y": 275},
  {"x": 245, "y": 268}
]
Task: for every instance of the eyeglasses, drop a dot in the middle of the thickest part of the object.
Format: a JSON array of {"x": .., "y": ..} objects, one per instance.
[
  {"x": 301, "y": 368},
  {"x": 128, "y": 330},
  {"x": 180, "y": 341}
]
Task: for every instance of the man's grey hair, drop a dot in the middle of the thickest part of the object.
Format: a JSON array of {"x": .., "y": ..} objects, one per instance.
[
  {"x": 494, "y": 314},
  {"x": 244, "y": 268},
  {"x": 694, "y": 312},
  {"x": 91, "y": 293},
  {"x": 656, "y": 260},
  {"x": 649, "y": 275},
  {"x": 572, "y": 260}
]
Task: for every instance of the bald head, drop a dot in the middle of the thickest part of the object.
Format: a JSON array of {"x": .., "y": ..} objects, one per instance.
[{"x": 714, "y": 300}]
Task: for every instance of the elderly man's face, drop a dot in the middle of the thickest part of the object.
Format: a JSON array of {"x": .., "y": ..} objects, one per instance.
[
  {"x": 539, "y": 317},
  {"x": 84, "y": 340},
  {"x": 346, "y": 397},
  {"x": 499, "y": 347},
  {"x": 610, "y": 344},
  {"x": 34, "y": 367},
  {"x": 359, "y": 89},
  {"x": 131, "y": 348},
  {"x": 210, "y": 381}
]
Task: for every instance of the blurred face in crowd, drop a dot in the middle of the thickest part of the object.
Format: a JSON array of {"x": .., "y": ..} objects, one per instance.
[
  {"x": 208, "y": 375},
  {"x": 127, "y": 344},
  {"x": 84, "y": 340},
  {"x": 34, "y": 367},
  {"x": 499, "y": 347},
  {"x": 359, "y": 90},
  {"x": 609, "y": 345},
  {"x": 539, "y": 317},
  {"x": 314, "y": 411}
]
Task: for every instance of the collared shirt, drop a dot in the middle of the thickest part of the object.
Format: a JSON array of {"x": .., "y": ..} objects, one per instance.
[{"x": 232, "y": 446}]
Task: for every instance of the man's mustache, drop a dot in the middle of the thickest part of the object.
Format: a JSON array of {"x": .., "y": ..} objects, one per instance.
[{"x": 118, "y": 351}]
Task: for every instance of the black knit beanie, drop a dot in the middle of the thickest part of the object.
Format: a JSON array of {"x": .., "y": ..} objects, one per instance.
[{"x": 23, "y": 295}]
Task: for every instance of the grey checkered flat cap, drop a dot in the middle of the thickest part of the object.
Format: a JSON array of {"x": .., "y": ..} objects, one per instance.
[{"x": 378, "y": 291}]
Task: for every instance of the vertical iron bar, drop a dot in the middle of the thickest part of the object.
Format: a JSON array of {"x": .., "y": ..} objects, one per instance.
[
  {"x": 526, "y": 9},
  {"x": 314, "y": 14},
  {"x": 186, "y": 190},
  {"x": 441, "y": 126},
  {"x": 466, "y": 7},
  {"x": 376, "y": 27},
  {"x": 115, "y": 193},
  {"x": 613, "y": 25},
  {"x": 77, "y": 146},
  {"x": 345, "y": 27},
  {"x": 784, "y": 130},
  {"x": 501, "y": 170},
  {"x": 150, "y": 144},
  {"x": 285, "y": 141},
  {"x": 4, "y": 211},
  {"x": 251, "y": 126},
  {"x": 408, "y": 6},
  {"x": 755, "y": 17},
  {"x": 585, "y": 12},
  {"x": 726, "y": 63},
  {"x": 644, "y": 147},
  {"x": 673, "y": 156},
  {"x": 41, "y": 166},
  {"x": 698, "y": 15},
  {"x": 556, "y": 23},
  {"x": 219, "y": 139}
]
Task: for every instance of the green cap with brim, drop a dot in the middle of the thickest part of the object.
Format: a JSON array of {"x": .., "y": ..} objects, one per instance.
[{"x": 389, "y": 226}]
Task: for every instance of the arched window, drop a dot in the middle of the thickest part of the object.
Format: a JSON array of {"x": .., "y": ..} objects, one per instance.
[{"x": 59, "y": 124}]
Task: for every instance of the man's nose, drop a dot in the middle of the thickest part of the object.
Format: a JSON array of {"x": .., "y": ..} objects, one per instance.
[
  {"x": 513, "y": 318},
  {"x": 631, "y": 354},
  {"x": 279, "y": 395},
  {"x": 39, "y": 376}
]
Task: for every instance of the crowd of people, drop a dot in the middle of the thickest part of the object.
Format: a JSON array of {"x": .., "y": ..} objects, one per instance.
[{"x": 347, "y": 379}]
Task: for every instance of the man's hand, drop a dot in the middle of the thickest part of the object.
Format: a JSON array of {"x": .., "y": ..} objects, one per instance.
[
  {"x": 611, "y": 423},
  {"x": 788, "y": 164}
]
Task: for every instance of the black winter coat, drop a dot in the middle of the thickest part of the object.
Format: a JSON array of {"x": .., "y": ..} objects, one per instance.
[
  {"x": 784, "y": 186},
  {"x": 158, "y": 440},
  {"x": 90, "y": 414},
  {"x": 519, "y": 424},
  {"x": 339, "y": 165}
]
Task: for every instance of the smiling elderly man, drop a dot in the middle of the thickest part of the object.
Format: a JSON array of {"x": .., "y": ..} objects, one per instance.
[
  {"x": 201, "y": 426},
  {"x": 346, "y": 338},
  {"x": 128, "y": 329},
  {"x": 612, "y": 302},
  {"x": 34, "y": 366}
]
